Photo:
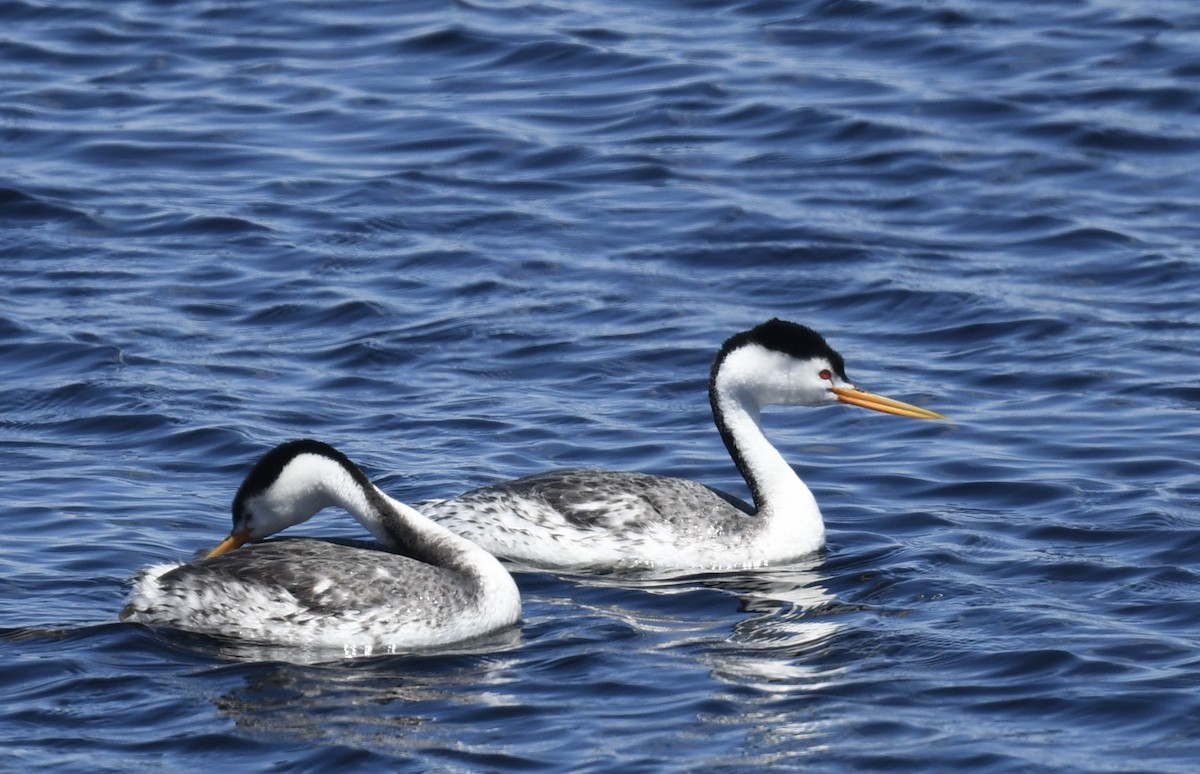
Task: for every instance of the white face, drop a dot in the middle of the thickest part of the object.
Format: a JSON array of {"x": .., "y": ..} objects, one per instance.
[
  {"x": 294, "y": 497},
  {"x": 766, "y": 377}
]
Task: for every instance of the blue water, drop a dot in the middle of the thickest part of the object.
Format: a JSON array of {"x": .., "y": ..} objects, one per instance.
[{"x": 470, "y": 241}]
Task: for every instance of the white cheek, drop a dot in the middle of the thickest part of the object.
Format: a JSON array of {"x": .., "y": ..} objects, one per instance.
[{"x": 265, "y": 516}]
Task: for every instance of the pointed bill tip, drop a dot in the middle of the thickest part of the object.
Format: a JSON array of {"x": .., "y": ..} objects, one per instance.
[
  {"x": 870, "y": 400},
  {"x": 234, "y": 540}
]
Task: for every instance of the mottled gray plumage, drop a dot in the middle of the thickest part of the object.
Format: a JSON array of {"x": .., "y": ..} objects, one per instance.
[
  {"x": 330, "y": 578},
  {"x": 586, "y": 518},
  {"x": 435, "y": 588},
  {"x": 603, "y": 499},
  {"x": 598, "y": 519}
]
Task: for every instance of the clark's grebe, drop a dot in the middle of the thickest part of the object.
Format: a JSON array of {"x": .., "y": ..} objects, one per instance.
[
  {"x": 598, "y": 519},
  {"x": 437, "y": 589}
]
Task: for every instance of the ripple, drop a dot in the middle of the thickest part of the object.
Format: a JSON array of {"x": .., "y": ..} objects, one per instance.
[
  {"x": 20, "y": 206},
  {"x": 482, "y": 241}
]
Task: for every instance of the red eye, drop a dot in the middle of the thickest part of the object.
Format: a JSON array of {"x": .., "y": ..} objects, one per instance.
[{"x": 825, "y": 374}]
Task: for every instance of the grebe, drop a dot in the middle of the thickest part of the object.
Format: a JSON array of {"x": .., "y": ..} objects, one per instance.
[
  {"x": 600, "y": 520},
  {"x": 437, "y": 589}
]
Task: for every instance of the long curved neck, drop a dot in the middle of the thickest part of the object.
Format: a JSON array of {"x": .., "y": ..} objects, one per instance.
[
  {"x": 775, "y": 487},
  {"x": 400, "y": 527}
]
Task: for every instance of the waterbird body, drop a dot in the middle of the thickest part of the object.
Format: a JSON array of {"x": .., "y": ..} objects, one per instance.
[
  {"x": 437, "y": 589},
  {"x": 598, "y": 519}
]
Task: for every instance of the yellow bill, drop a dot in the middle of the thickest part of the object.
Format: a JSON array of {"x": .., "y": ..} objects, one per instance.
[
  {"x": 869, "y": 400},
  {"x": 234, "y": 540}
]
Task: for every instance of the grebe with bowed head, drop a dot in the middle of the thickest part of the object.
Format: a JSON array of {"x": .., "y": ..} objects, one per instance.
[
  {"x": 438, "y": 589},
  {"x": 600, "y": 520}
]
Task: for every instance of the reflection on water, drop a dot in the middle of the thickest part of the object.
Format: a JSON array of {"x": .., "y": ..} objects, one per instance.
[
  {"x": 382, "y": 703},
  {"x": 736, "y": 649},
  {"x": 239, "y": 650},
  {"x": 772, "y": 649},
  {"x": 769, "y": 649},
  {"x": 761, "y": 659},
  {"x": 476, "y": 244},
  {"x": 771, "y": 658}
]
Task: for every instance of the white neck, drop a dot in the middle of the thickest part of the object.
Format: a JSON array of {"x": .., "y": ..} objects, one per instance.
[
  {"x": 780, "y": 497},
  {"x": 323, "y": 482}
]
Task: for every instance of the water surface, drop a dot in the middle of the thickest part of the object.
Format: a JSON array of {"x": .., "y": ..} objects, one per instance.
[{"x": 471, "y": 241}]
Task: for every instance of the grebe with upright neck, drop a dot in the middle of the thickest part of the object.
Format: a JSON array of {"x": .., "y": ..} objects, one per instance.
[
  {"x": 436, "y": 589},
  {"x": 600, "y": 520}
]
